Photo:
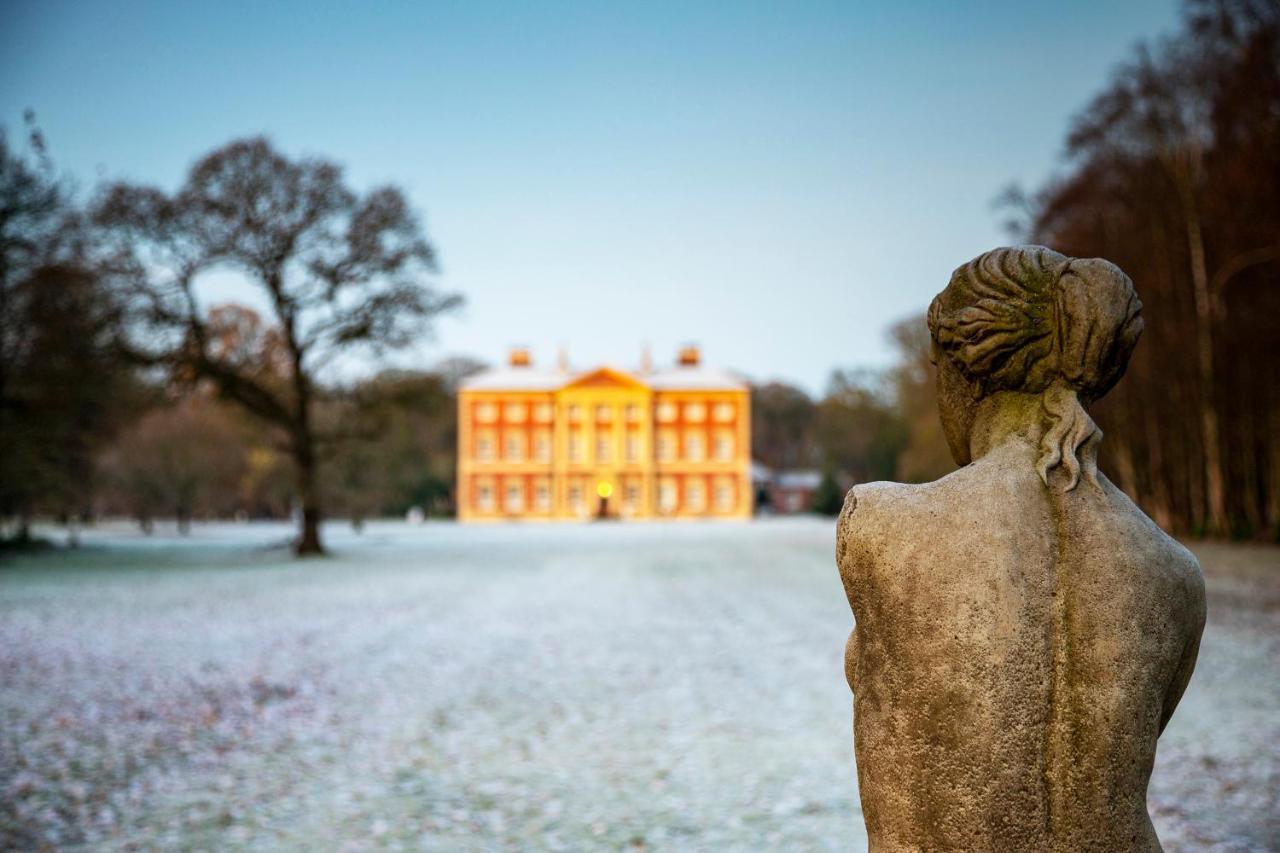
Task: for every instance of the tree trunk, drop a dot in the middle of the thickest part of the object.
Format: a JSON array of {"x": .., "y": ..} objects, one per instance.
[
  {"x": 1273, "y": 478},
  {"x": 1125, "y": 470},
  {"x": 308, "y": 542},
  {"x": 1210, "y": 434}
]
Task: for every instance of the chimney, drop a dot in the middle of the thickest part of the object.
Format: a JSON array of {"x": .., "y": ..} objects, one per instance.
[
  {"x": 646, "y": 360},
  {"x": 520, "y": 357},
  {"x": 689, "y": 356}
]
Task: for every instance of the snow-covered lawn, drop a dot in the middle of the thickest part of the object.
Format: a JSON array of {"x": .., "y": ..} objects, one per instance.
[{"x": 516, "y": 687}]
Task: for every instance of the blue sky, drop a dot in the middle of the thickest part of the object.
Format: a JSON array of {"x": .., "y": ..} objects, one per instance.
[{"x": 777, "y": 181}]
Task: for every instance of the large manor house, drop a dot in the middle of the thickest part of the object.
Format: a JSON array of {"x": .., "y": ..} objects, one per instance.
[{"x": 550, "y": 443}]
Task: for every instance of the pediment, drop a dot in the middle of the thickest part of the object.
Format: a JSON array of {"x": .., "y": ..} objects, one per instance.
[{"x": 605, "y": 377}]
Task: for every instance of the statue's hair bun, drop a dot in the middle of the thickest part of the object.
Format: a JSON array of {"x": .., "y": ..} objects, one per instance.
[{"x": 1029, "y": 319}]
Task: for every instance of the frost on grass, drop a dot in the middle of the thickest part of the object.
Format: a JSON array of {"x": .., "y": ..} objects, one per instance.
[{"x": 607, "y": 686}]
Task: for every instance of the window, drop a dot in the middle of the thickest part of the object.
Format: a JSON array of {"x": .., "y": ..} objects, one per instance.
[
  {"x": 724, "y": 412},
  {"x": 542, "y": 447},
  {"x": 724, "y": 446},
  {"x": 724, "y": 496},
  {"x": 632, "y": 495},
  {"x": 542, "y": 497},
  {"x": 514, "y": 413},
  {"x": 604, "y": 414},
  {"x": 486, "y": 413},
  {"x": 604, "y": 447},
  {"x": 515, "y": 497},
  {"x": 484, "y": 447},
  {"x": 633, "y": 446},
  {"x": 694, "y": 495},
  {"x": 484, "y": 497},
  {"x": 542, "y": 413},
  {"x": 633, "y": 413},
  {"x": 695, "y": 413},
  {"x": 575, "y": 497},
  {"x": 575, "y": 447},
  {"x": 667, "y": 496},
  {"x": 575, "y": 413},
  {"x": 693, "y": 447},
  {"x": 514, "y": 448},
  {"x": 666, "y": 446},
  {"x": 666, "y": 412}
]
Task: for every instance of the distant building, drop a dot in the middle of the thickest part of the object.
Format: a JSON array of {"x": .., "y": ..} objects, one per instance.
[
  {"x": 792, "y": 491},
  {"x": 783, "y": 492},
  {"x": 547, "y": 444}
]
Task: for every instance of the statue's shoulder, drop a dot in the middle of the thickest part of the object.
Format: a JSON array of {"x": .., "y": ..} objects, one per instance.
[
  {"x": 1161, "y": 553},
  {"x": 884, "y": 526},
  {"x": 868, "y": 507},
  {"x": 875, "y": 519}
]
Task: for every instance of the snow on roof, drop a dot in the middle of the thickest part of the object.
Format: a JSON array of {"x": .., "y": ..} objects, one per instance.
[
  {"x": 797, "y": 479},
  {"x": 515, "y": 379},
  {"x": 693, "y": 378}
]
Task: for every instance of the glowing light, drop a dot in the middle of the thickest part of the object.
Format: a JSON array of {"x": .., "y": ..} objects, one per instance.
[{"x": 604, "y": 489}]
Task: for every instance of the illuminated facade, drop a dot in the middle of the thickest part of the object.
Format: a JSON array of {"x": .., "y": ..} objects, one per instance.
[{"x": 550, "y": 444}]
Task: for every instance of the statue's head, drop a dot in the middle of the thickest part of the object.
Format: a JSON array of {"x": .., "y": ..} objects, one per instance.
[{"x": 1031, "y": 321}]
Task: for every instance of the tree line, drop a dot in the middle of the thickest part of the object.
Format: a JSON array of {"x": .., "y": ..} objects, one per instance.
[
  {"x": 189, "y": 454},
  {"x": 1173, "y": 172}
]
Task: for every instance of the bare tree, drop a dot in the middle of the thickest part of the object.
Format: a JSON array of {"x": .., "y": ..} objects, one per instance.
[
  {"x": 1174, "y": 174},
  {"x": 341, "y": 272}
]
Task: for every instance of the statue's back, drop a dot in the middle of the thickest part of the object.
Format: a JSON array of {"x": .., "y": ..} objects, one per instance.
[{"x": 1017, "y": 651}]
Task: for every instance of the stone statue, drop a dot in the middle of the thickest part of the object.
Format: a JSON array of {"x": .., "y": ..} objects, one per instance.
[{"x": 1023, "y": 631}]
